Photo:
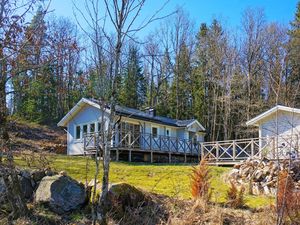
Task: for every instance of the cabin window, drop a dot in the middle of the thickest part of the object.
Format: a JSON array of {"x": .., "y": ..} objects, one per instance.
[
  {"x": 168, "y": 132},
  {"x": 154, "y": 132},
  {"x": 77, "y": 135},
  {"x": 92, "y": 128},
  {"x": 85, "y": 128}
]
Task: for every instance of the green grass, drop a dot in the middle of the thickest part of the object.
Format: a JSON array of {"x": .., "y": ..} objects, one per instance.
[{"x": 168, "y": 179}]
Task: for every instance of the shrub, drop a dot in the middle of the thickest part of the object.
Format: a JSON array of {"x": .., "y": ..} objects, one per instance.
[
  {"x": 235, "y": 197},
  {"x": 288, "y": 199},
  {"x": 200, "y": 181}
]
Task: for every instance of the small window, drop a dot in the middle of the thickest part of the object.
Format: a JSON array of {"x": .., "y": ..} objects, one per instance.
[
  {"x": 99, "y": 127},
  {"x": 92, "y": 128},
  {"x": 77, "y": 132},
  {"x": 84, "y": 129},
  {"x": 168, "y": 132},
  {"x": 154, "y": 132}
]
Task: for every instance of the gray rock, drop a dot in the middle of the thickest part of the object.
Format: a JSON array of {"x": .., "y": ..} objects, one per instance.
[
  {"x": 60, "y": 193},
  {"x": 122, "y": 196}
]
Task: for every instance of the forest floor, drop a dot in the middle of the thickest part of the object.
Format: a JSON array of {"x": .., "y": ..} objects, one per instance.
[{"x": 169, "y": 180}]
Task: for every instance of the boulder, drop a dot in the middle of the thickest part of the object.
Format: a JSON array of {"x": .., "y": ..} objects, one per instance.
[
  {"x": 122, "y": 196},
  {"x": 60, "y": 193}
]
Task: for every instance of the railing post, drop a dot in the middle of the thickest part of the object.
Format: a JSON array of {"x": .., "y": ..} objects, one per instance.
[
  {"x": 84, "y": 143},
  {"x": 160, "y": 143},
  {"x": 252, "y": 148},
  {"x": 233, "y": 150},
  {"x": 297, "y": 144},
  {"x": 151, "y": 157},
  {"x": 202, "y": 151},
  {"x": 217, "y": 151},
  {"x": 150, "y": 135},
  {"x": 273, "y": 148}
]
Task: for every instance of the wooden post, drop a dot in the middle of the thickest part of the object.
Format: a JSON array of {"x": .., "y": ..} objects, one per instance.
[
  {"x": 217, "y": 151},
  {"x": 117, "y": 155},
  {"x": 184, "y": 157},
  {"x": 129, "y": 156},
  {"x": 151, "y": 157},
  {"x": 170, "y": 157},
  {"x": 202, "y": 151},
  {"x": 150, "y": 141},
  {"x": 273, "y": 148},
  {"x": 297, "y": 145},
  {"x": 233, "y": 150},
  {"x": 252, "y": 148},
  {"x": 160, "y": 143}
]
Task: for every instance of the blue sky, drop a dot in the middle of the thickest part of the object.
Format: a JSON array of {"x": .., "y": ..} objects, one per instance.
[{"x": 200, "y": 11}]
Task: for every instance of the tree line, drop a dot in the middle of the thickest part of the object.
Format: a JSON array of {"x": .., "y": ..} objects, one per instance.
[{"x": 214, "y": 73}]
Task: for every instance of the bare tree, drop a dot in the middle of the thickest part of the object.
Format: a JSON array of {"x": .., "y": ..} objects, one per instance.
[
  {"x": 122, "y": 16},
  {"x": 12, "y": 19}
]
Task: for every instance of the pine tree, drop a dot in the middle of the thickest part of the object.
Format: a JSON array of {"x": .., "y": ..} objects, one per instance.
[
  {"x": 181, "y": 100},
  {"x": 133, "y": 93}
]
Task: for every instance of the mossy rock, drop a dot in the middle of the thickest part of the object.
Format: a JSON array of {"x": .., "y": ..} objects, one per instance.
[{"x": 122, "y": 196}]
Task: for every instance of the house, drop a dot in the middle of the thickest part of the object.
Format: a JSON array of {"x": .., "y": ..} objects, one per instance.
[
  {"x": 136, "y": 131},
  {"x": 280, "y": 128}
]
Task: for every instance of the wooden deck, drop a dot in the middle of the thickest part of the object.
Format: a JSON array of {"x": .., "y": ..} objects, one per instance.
[{"x": 222, "y": 153}]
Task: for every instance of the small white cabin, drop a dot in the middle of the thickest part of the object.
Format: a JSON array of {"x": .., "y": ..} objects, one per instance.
[
  {"x": 140, "y": 130},
  {"x": 280, "y": 124}
]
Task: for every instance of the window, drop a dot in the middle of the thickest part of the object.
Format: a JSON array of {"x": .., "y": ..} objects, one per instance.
[
  {"x": 77, "y": 132},
  {"x": 154, "y": 132},
  {"x": 84, "y": 127},
  {"x": 168, "y": 132},
  {"x": 92, "y": 128}
]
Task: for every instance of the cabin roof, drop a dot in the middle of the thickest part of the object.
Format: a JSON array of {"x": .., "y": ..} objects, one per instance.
[
  {"x": 256, "y": 120},
  {"x": 129, "y": 112}
]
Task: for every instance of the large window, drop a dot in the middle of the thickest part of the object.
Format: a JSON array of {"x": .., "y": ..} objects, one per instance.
[
  {"x": 85, "y": 128},
  {"x": 92, "y": 127},
  {"x": 154, "y": 132}
]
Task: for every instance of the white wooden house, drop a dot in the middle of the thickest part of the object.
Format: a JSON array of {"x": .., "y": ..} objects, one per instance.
[
  {"x": 137, "y": 130},
  {"x": 280, "y": 126}
]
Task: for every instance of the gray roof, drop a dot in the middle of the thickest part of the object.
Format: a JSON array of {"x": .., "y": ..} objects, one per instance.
[{"x": 138, "y": 114}]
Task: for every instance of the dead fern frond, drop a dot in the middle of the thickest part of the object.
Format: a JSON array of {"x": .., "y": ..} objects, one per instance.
[
  {"x": 288, "y": 199},
  {"x": 200, "y": 181},
  {"x": 235, "y": 197}
]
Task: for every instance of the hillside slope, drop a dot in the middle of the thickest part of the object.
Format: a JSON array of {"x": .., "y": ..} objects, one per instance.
[{"x": 28, "y": 136}]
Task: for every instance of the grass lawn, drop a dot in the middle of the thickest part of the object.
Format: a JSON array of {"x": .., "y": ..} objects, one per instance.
[{"x": 169, "y": 179}]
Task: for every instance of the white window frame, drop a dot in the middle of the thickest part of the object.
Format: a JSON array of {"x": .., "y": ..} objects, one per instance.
[{"x": 95, "y": 122}]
